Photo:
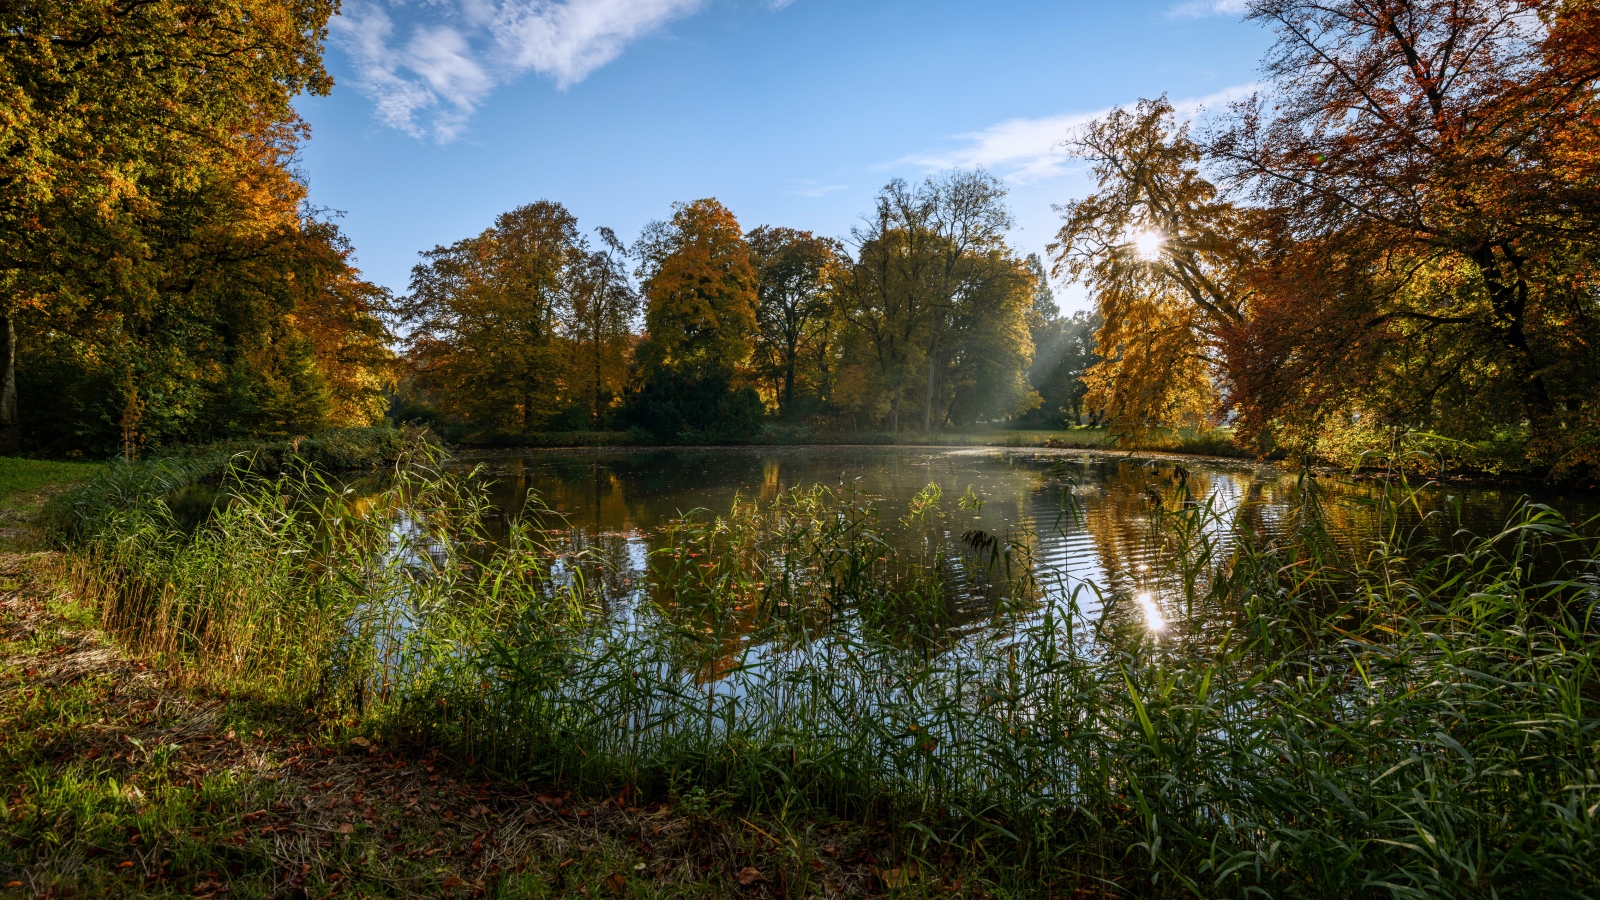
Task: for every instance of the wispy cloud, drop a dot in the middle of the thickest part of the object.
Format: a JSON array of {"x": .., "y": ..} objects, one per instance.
[
  {"x": 809, "y": 188},
  {"x": 1200, "y": 9},
  {"x": 1029, "y": 150},
  {"x": 428, "y": 73}
]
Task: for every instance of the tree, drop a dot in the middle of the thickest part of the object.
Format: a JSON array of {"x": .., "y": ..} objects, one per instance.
[
  {"x": 604, "y": 305},
  {"x": 234, "y": 312},
  {"x": 112, "y": 113},
  {"x": 967, "y": 216},
  {"x": 1063, "y": 353},
  {"x": 982, "y": 370},
  {"x": 794, "y": 273},
  {"x": 700, "y": 289},
  {"x": 1165, "y": 256},
  {"x": 700, "y": 324},
  {"x": 1439, "y": 157},
  {"x": 924, "y": 253},
  {"x": 485, "y": 316}
]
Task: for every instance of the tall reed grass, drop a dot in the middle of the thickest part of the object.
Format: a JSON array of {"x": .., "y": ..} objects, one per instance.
[{"x": 1321, "y": 715}]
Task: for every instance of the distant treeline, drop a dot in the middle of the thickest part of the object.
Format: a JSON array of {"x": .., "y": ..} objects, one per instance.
[{"x": 701, "y": 331}]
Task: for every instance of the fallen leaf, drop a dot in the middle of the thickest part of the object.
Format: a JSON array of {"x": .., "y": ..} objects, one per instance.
[
  {"x": 125, "y": 864},
  {"x": 894, "y": 879},
  {"x": 453, "y": 882},
  {"x": 750, "y": 875},
  {"x": 616, "y": 882},
  {"x": 346, "y": 828},
  {"x": 361, "y": 742}
]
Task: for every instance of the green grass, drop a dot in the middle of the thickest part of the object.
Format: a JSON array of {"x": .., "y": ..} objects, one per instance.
[
  {"x": 1328, "y": 715},
  {"x": 118, "y": 781},
  {"x": 26, "y": 486},
  {"x": 22, "y": 477}
]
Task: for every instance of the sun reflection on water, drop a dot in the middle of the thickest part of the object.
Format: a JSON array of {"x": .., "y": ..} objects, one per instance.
[{"x": 1153, "y": 619}]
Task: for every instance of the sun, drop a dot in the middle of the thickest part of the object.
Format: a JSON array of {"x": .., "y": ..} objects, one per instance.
[{"x": 1148, "y": 245}]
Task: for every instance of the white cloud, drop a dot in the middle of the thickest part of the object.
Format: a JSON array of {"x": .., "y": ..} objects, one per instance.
[
  {"x": 431, "y": 73},
  {"x": 1199, "y": 9},
  {"x": 567, "y": 40},
  {"x": 809, "y": 188},
  {"x": 1029, "y": 150}
]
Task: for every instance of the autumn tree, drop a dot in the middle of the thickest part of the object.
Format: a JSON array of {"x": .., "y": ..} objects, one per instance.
[
  {"x": 795, "y": 310},
  {"x": 1436, "y": 162},
  {"x": 485, "y": 316},
  {"x": 1165, "y": 257},
  {"x": 700, "y": 325},
  {"x": 117, "y": 119},
  {"x": 235, "y": 312}
]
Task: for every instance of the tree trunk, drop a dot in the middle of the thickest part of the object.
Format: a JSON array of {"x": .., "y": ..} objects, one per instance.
[
  {"x": 10, "y": 437},
  {"x": 894, "y": 413},
  {"x": 1508, "y": 298},
  {"x": 788, "y": 389},
  {"x": 599, "y": 310},
  {"x": 927, "y": 404}
]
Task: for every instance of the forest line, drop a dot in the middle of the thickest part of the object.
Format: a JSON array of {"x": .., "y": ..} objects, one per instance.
[
  {"x": 1394, "y": 235},
  {"x": 532, "y": 327}
]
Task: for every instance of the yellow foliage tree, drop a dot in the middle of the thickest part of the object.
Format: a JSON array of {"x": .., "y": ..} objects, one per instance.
[{"x": 700, "y": 291}]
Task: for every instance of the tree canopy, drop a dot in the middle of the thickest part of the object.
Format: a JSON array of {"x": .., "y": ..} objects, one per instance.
[{"x": 159, "y": 269}]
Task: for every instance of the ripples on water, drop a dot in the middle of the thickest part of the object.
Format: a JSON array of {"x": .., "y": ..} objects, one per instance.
[{"x": 1085, "y": 518}]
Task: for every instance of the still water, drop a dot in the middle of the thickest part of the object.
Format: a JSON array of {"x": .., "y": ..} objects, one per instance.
[{"x": 1084, "y": 516}]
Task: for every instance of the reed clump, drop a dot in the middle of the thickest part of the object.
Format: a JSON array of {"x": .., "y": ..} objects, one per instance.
[{"x": 1394, "y": 713}]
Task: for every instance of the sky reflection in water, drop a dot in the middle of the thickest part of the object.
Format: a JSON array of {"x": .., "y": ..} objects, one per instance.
[{"x": 1099, "y": 544}]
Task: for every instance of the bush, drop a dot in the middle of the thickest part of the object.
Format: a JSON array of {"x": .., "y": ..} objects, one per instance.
[{"x": 698, "y": 409}]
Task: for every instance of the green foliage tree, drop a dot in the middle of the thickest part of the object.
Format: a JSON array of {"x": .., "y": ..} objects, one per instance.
[
  {"x": 795, "y": 311},
  {"x": 602, "y": 312},
  {"x": 1063, "y": 353},
  {"x": 930, "y": 262}
]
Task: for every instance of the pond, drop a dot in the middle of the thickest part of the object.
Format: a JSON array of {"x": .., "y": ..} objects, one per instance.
[{"x": 1083, "y": 516}]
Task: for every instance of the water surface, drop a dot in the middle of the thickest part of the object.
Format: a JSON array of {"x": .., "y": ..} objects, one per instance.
[{"x": 1084, "y": 516}]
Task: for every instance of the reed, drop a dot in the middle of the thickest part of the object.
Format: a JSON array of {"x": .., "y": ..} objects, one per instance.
[{"x": 1393, "y": 713}]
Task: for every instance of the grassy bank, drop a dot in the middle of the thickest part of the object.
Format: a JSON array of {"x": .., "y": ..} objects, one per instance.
[
  {"x": 124, "y": 780},
  {"x": 119, "y": 486},
  {"x": 1316, "y": 717}
]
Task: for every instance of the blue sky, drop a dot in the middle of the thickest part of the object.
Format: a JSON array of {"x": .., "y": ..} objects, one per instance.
[{"x": 791, "y": 112}]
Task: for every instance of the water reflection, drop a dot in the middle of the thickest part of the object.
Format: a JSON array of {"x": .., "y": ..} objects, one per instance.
[{"x": 1085, "y": 521}]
